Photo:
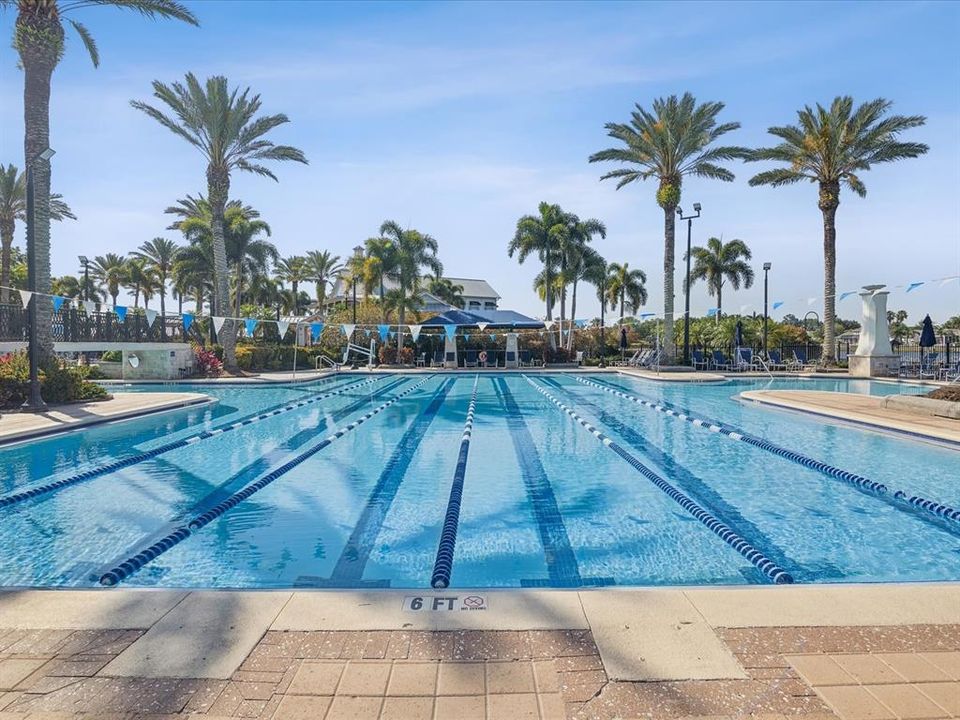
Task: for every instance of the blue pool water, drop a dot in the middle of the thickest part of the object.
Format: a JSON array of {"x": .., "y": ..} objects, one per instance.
[{"x": 564, "y": 484}]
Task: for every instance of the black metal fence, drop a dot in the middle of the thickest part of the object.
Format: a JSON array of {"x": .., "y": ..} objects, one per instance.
[{"x": 73, "y": 325}]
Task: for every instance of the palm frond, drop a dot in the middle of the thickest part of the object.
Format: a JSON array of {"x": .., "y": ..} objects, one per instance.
[
  {"x": 778, "y": 177},
  {"x": 149, "y": 8},
  {"x": 88, "y": 42}
]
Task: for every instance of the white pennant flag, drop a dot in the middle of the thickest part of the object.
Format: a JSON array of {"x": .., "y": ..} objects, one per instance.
[
  {"x": 282, "y": 327},
  {"x": 218, "y": 322},
  {"x": 548, "y": 323},
  {"x": 89, "y": 306},
  {"x": 348, "y": 330},
  {"x": 151, "y": 316},
  {"x": 415, "y": 331},
  {"x": 949, "y": 280},
  {"x": 811, "y": 301},
  {"x": 25, "y": 296},
  {"x": 482, "y": 326}
]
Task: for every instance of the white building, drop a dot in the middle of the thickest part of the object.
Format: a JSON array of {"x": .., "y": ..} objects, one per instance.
[{"x": 477, "y": 295}]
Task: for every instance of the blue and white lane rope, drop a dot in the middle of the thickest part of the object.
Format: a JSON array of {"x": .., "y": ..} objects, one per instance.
[
  {"x": 766, "y": 566},
  {"x": 131, "y": 565},
  {"x": 857, "y": 481},
  {"x": 443, "y": 565},
  {"x": 126, "y": 462}
]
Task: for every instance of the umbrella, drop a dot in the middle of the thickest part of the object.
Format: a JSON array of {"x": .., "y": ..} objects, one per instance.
[
  {"x": 623, "y": 341},
  {"x": 927, "y": 337}
]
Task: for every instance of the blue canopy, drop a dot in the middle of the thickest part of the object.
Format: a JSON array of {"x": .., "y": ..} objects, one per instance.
[{"x": 507, "y": 319}]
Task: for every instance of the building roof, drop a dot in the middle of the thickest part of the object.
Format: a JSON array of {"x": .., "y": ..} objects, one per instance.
[
  {"x": 474, "y": 288},
  {"x": 494, "y": 318}
]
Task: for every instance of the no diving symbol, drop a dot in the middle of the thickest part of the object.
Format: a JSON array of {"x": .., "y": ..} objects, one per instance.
[{"x": 474, "y": 602}]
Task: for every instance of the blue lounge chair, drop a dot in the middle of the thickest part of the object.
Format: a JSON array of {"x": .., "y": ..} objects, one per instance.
[
  {"x": 470, "y": 358},
  {"x": 800, "y": 361},
  {"x": 719, "y": 361},
  {"x": 774, "y": 361},
  {"x": 930, "y": 365},
  {"x": 699, "y": 361},
  {"x": 437, "y": 359},
  {"x": 744, "y": 360},
  {"x": 526, "y": 358},
  {"x": 491, "y": 358}
]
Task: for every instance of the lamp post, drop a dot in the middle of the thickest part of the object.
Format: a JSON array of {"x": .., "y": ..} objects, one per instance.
[
  {"x": 86, "y": 276},
  {"x": 603, "y": 306},
  {"x": 686, "y": 302},
  {"x": 766, "y": 271},
  {"x": 34, "y": 401},
  {"x": 357, "y": 254}
]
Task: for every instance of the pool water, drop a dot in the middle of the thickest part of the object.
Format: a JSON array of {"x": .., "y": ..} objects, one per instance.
[{"x": 564, "y": 484}]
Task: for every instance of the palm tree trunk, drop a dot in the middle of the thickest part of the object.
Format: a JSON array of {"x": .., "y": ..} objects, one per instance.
[
  {"x": 239, "y": 279},
  {"x": 829, "y": 200},
  {"x": 39, "y": 43},
  {"x": 573, "y": 316},
  {"x": 383, "y": 304},
  {"x": 563, "y": 312},
  {"x": 218, "y": 187},
  {"x": 295, "y": 289},
  {"x": 669, "y": 231},
  {"x": 549, "y": 298},
  {"x": 163, "y": 308},
  {"x": 6, "y": 237},
  {"x": 719, "y": 302},
  {"x": 400, "y": 320}
]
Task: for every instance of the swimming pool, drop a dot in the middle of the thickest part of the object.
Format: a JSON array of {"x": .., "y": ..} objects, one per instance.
[{"x": 478, "y": 480}]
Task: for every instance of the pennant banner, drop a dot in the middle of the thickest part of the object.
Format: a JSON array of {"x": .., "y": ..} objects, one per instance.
[
  {"x": 121, "y": 311},
  {"x": 548, "y": 323},
  {"x": 316, "y": 329},
  {"x": 493, "y": 338},
  {"x": 384, "y": 332},
  {"x": 282, "y": 327},
  {"x": 151, "y": 316},
  {"x": 482, "y": 326},
  {"x": 777, "y": 303},
  {"x": 218, "y": 322},
  {"x": 451, "y": 331},
  {"x": 466, "y": 337},
  {"x": 712, "y": 312},
  {"x": 348, "y": 330},
  {"x": 58, "y": 303},
  {"x": 847, "y": 294},
  {"x": 646, "y": 315},
  {"x": 581, "y": 323},
  {"x": 914, "y": 286},
  {"x": 250, "y": 325},
  {"x": 187, "y": 319},
  {"x": 415, "y": 331},
  {"x": 25, "y": 296}
]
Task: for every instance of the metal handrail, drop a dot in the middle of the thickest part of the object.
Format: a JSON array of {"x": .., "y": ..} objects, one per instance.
[{"x": 323, "y": 359}]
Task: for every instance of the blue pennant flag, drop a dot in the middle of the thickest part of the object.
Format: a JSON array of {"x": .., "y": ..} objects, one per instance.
[
  {"x": 57, "y": 303},
  {"x": 493, "y": 337},
  {"x": 187, "y": 321},
  {"x": 391, "y": 334},
  {"x": 384, "y": 332},
  {"x": 466, "y": 337},
  {"x": 777, "y": 303},
  {"x": 451, "y": 331},
  {"x": 646, "y": 315},
  {"x": 581, "y": 323},
  {"x": 712, "y": 312},
  {"x": 121, "y": 312},
  {"x": 368, "y": 332},
  {"x": 315, "y": 330},
  {"x": 914, "y": 286},
  {"x": 847, "y": 294},
  {"x": 250, "y": 324}
]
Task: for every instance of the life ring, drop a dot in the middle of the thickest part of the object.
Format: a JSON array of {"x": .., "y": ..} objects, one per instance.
[{"x": 483, "y": 356}]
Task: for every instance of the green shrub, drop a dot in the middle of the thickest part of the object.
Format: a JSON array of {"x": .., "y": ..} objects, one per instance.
[
  {"x": 112, "y": 356},
  {"x": 59, "y": 383}
]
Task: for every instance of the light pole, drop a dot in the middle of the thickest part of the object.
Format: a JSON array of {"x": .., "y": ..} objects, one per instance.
[
  {"x": 357, "y": 254},
  {"x": 603, "y": 306},
  {"x": 34, "y": 401},
  {"x": 86, "y": 276},
  {"x": 686, "y": 302},
  {"x": 766, "y": 271}
]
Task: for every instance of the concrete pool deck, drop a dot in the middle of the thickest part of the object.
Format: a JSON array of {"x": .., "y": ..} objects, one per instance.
[
  {"x": 809, "y": 652},
  {"x": 866, "y": 410},
  {"x": 15, "y": 427}
]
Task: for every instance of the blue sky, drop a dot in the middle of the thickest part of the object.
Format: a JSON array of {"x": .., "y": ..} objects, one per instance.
[{"x": 458, "y": 118}]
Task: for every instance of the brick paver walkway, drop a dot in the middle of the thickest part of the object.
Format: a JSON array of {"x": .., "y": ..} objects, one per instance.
[{"x": 803, "y": 673}]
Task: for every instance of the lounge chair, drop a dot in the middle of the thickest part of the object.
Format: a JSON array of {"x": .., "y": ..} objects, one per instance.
[
  {"x": 640, "y": 358},
  {"x": 491, "y": 359},
  {"x": 774, "y": 361},
  {"x": 422, "y": 360},
  {"x": 470, "y": 358},
  {"x": 800, "y": 361},
  {"x": 699, "y": 361},
  {"x": 526, "y": 358},
  {"x": 437, "y": 359},
  {"x": 579, "y": 357},
  {"x": 744, "y": 360},
  {"x": 930, "y": 366},
  {"x": 719, "y": 360},
  {"x": 950, "y": 373}
]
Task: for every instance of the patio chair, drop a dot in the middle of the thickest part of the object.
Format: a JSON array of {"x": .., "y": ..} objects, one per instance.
[
  {"x": 774, "y": 361},
  {"x": 422, "y": 360},
  {"x": 470, "y": 358},
  {"x": 744, "y": 360},
  {"x": 800, "y": 361},
  {"x": 719, "y": 360},
  {"x": 526, "y": 358},
  {"x": 949, "y": 373},
  {"x": 437, "y": 359},
  {"x": 491, "y": 359},
  {"x": 579, "y": 357},
  {"x": 699, "y": 361},
  {"x": 930, "y": 366},
  {"x": 640, "y": 358}
]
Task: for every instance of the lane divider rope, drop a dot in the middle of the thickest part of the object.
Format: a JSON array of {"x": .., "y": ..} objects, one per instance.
[
  {"x": 126, "y": 462},
  {"x": 766, "y": 566},
  {"x": 443, "y": 565},
  {"x": 133, "y": 564},
  {"x": 857, "y": 481}
]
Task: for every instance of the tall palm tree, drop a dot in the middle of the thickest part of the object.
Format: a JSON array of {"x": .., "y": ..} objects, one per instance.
[
  {"x": 580, "y": 264},
  {"x": 159, "y": 255},
  {"x": 13, "y": 207},
  {"x": 668, "y": 142},
  {"x": 625, "y": 287},
  {"x": 222, "y": 124},
  {"x": 294, "y": 271},
  {"x": 39, "y": 40},
  {"x": 139, "y": 278},
  {"x": 573, "y": 248},
  {"x": 380, "y": 262},
  {"x": 721, "y": 262},
  {"x": 322, "y": 266},
  {"x": 830, "y": 147},
  {"x": 542, "y": 235},
  {"x": 597, "y": 272},
  {"x": 413, "y": 252},
  {"x": 111, "y": 271}
]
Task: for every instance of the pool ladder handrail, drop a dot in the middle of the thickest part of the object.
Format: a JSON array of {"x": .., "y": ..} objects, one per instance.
[{"x": 322, "y": 359}]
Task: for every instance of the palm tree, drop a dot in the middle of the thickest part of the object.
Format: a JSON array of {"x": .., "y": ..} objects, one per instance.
[
  {"x": 597, "y": 272},
  {"x": 67, "y": 286},
  {"x": 626, "y": 287},
  {"x": 159, "y": 255},
  {"x": 221, "y": 124},
  {"x": 413, "y": 251},
  {"x": 13, "y": 207},
  {"x": 294, "y": 271},
  {"x": 667, "y": 143},
  {"x": 380, "y": 262},
  {"x": 322, "y": 267},
  {"x": 111, "y": 271},
  {"x": 542, "y": 235},
  {"x": 446, "y": 290},
  {"x": 573, "y": 261},
  {"x": 721, "y": 262},
  {"x": 39, "y": 40},
  {"x": 830, "y": 147},
  {"x": 138, "y": 278}
]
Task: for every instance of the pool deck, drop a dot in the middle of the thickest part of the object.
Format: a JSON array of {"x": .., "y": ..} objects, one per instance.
[
  {"x": 807, "y": 652},
  {"x": 15, "y": 427},
  {"x": 861, "y": 409}
]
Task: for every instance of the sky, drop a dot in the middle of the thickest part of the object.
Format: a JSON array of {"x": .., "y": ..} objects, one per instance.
[{"x": 458, "y": 118}]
